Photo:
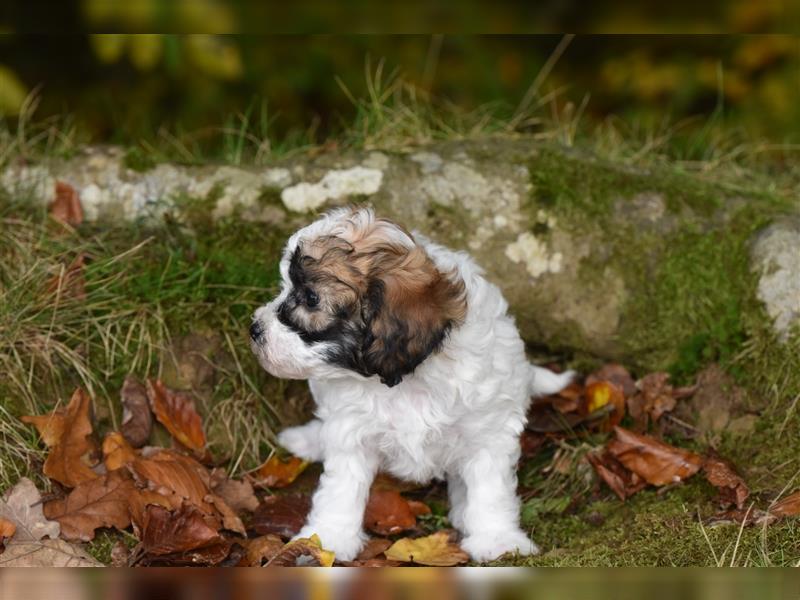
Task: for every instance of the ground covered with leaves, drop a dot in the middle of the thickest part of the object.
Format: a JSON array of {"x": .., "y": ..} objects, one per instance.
[{"x": 135, "y": 425}]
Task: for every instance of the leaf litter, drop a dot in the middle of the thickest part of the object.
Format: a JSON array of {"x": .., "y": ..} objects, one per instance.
[{"x": 185, "y": 513}]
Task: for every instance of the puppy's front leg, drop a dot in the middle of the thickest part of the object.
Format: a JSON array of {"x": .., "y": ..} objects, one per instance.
[
  {"x": 337, "y": 510},
  {"x": 491, "y": 511}
]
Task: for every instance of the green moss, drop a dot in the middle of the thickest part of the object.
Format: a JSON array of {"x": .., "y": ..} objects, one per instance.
[{"x": 568, "y": 181}]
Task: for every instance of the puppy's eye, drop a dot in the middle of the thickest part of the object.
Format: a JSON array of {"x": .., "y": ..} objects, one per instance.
[{"x": 312, "y": 299}]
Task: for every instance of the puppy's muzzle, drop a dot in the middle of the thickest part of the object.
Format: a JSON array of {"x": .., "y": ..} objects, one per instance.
[{"x": 256, "y": 332}]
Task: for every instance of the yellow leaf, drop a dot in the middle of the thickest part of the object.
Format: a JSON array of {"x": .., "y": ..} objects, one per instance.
[
  {"x": 108, "y": 46},
  {"x": 434, "y": 551},
  {"x": 12, "y": 92},
  {"x": 215, "y": 56},
  {"x": 145, "y": 50}
]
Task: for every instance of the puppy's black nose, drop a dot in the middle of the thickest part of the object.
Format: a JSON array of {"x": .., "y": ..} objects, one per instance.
[{"x": 256, "y": 331}]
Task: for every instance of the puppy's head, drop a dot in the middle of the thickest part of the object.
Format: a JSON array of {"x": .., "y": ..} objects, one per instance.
[{"x": 358, "y": 294}]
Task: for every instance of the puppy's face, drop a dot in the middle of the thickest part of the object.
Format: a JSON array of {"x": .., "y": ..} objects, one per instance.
[{"x": 358, "y": 295}]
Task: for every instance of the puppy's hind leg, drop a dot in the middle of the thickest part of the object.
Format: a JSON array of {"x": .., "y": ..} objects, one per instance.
[{"x": 303, "y": 441}]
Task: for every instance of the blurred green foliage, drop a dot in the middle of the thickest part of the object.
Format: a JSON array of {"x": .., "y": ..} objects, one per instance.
[{"x": 122, "y": 87}]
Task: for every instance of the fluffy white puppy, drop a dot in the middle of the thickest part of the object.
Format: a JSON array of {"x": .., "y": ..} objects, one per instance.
[{"x": 415, "y": 367}]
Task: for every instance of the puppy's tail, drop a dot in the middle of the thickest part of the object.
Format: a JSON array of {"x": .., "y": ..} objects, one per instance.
[{"x": 544, "y": 382}]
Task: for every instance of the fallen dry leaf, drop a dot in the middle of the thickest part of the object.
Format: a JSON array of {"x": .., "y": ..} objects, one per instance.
[
  {"x": 70, "y": 282},
  {"x": 624, "y": 483},
  {"x": 616, "y": 374},
  {"x": 168, "y": 472},
  {"x": 45, "y": 553},
  {"x": 116, "y": 451},
  {"x": 66, "y": 432},
  {"x": 7, "y": 529},
  {"x": 435, "y": 550},
  {"x": 101, "y": 502},
  {"x": 656, "y": 462},
  {"x": 230, "y": 520},
  {"x": 388, "y": 513},
  {"x": 373, "y": 548},
  {"x": 281, "y": 515},
  {"x": 654, "y": 398},
  {"x": 137, "y": 420},
  {"x": 602, "y": 394},
  {"x": 66, "y": 206},
  {"x": 168, "y": 532},
  {"x": 305, "y": 552},
  {"x": 22, "y": 506},
  {"x": 239, "y": 494},
  {"x": 279, "y": 473},
  {"x": 262, "y": 549},
  {"x": 176, "y": 411},
  {"x": 721, "y": 474},
  {"x": 787, "y": 507},
  {"x": 139, "y": 501}
]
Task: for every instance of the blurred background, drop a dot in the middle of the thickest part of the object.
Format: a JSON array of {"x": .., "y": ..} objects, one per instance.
[{"x": 123, "y": 88}]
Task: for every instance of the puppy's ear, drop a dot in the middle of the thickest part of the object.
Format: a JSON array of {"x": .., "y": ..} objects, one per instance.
[{"x": 408, "y": 310}]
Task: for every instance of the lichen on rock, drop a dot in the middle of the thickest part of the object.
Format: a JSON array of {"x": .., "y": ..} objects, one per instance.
[
  {"x": 336, "y": 184},
  {"x": 776, "y": 260}
]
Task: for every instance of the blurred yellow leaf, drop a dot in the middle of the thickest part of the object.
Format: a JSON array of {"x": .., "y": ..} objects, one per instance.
[
  {"x": 145, "y": 50},
  {"x": 108, "y": 46},
  {"x": 12, "y": 92},
  {"x": 215, "y": 56},
  {"x": 204, "y": 15}
]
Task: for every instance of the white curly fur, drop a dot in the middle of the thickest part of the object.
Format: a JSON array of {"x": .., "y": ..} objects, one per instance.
[{"x": 458, "y": 416}]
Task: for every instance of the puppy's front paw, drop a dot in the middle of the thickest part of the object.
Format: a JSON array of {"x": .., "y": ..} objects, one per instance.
[
  {"x": 344, "y": 545},
  {"x": 483, "y": 547}
]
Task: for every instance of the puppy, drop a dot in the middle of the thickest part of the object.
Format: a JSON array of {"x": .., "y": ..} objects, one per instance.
[{"x": 415, "y": 367}]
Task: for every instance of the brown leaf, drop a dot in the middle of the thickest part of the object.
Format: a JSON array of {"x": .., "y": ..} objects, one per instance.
[
  {"x": 141, "y": 498},
  {"x": 278, "y": 473},
  {"x": 388, "y": 513},
  {"x": 419, "y": 508},
  {"x": 168, "y": 472},
  {"x": 655, "y": 397},
  {"x": 66, "y": 206},
  {"x": 305, "y": 552},
  {"x": 238, "y": 494},
  {"x": 175, "y": 411},
  {"x": 616, "y": 374},
  {"x": 281, "y": 515},
  {"x": 656, "y": 462},
  {"x": 435, "y": 550},
  {"x": 787, "y": 507},
  {"x": 721, "y": 474},
  {"x": 372, "y": 562},
  {"x": 570, "y": 399},
  {"x": 137, "y": 420},
  {"x": 623, "y": 482},
  {"x": 230, "y": 520},
  {"x": 602, "y": 394},
  {"x": 7, "y": 529},
  {"x": 167, "y": 532},
  {"x": 70, "y": 282},
  {"x": 262, "y": 549},
  {"x": 101, "y": 502},
  {"x": 116, "y": 451},
  {"x": 531, "y": 442},
  {"x": 22, "y": 506},
  {"x": 46, "y": 553},
  {"x": 66, "y": 432},
  {"x": 373, "y": 548}
]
